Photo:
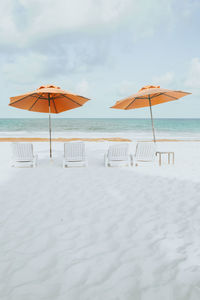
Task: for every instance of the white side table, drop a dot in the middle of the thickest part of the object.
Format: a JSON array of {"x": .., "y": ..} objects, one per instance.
[{"x": 169, "y": 154}]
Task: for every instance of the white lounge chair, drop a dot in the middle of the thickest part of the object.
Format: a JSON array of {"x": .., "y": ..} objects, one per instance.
[
  {"x": 22, "y": 155},
  {"x": 117, "y": 155},
  {"x": 74, "y": 155},
  {"x": 145, "y": 152}
]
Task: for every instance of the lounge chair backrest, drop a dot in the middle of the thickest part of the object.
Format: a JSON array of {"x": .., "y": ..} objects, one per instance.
[
  {"x": 118, "y": 152},
  {"x": 145, "y": 151},
  {"x": 22, "y": 151},
  {"x": 74, "y": 151}
]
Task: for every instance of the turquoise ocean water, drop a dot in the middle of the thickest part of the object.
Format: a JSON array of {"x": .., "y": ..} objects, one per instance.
[{"x": 163, "y": 127}]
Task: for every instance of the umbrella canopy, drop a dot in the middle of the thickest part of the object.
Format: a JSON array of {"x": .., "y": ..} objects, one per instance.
[
  {"x": 148, "y": 96},
  {"x": 39, "y": 100},
  {"x": 48, "y": 99}
]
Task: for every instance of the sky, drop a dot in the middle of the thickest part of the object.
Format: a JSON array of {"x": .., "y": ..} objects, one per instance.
[{"x": 101, "y": 49}]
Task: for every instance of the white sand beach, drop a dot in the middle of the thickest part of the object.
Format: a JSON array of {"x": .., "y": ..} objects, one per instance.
[{"x": 99, "y": 233}]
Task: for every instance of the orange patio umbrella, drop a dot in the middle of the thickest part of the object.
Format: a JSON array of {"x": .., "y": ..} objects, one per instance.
[
  {"x": 148, "y": 96},
  {"x": 48, "y": 99}
]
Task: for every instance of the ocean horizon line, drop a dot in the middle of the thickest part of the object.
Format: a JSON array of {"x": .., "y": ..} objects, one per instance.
[{"x": 124, "y": 118}]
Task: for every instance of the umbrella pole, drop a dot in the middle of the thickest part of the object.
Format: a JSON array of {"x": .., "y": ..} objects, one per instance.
[
  {"x": 152, "y": 124},
  {"x": 50, "y": 125}
]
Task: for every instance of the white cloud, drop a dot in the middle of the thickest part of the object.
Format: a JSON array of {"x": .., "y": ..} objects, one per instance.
[
  {"x": 82, "y": 88},
  {"x": 164, "y": 80},
  {"x": 126, "y": 88},
  {"x": 189, "y": 81},
  {"x": 193, "y": 76},
  {"x": 189, "y": 7},
  {"x": 25, "y": 68},
  {"x": 25, "y": 21},
  {"x": 8, "y": 31}
]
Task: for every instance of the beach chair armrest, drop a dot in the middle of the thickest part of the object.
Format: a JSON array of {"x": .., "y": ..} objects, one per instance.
[
  {"x": 132, "y": 159},
  {"x": 12, "y": 162},
  {"x": 64, "y": 160},
  {"x": 106, "y": 159},
  {"x": 35, "y": 160}
]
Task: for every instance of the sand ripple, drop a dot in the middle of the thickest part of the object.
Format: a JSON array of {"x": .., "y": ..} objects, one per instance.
[{"x": 83, "y": 235}]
